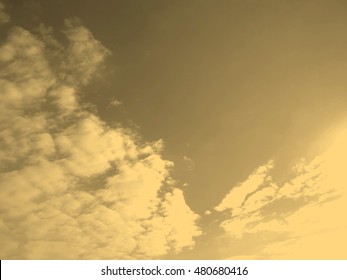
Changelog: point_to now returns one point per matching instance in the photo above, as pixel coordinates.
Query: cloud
(168, 228)
(4, 17)
(207, 212)
(72, 186)
(297, 219)
(115, 103)
(84, 54)
(189, 162)
(235, 199)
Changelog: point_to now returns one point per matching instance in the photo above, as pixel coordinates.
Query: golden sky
(173, 129)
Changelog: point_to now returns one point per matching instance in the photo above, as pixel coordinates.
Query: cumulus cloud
(298, 219)
(72, 186)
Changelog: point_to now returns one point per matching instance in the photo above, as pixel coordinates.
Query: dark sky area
(229, 84)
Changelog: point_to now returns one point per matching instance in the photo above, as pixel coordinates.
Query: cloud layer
(72, 187)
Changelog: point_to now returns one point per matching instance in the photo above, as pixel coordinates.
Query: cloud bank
(71, 186)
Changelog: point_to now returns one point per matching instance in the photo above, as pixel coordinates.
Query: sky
(173, 129)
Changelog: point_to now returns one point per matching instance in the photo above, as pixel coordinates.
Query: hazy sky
(202, 129)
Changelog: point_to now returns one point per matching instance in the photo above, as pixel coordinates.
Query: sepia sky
(162, 129)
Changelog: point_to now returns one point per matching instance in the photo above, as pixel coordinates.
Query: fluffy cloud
(72, 187)
(298, 219)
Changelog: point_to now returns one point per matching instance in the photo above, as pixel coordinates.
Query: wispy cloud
(300, 218)
(114, 103)
(4, 17)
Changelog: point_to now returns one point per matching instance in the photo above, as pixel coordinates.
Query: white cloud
(72, 187)
(115, 103)
(64, 98)
(238, 195)
(182, 231)
(167, 230)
